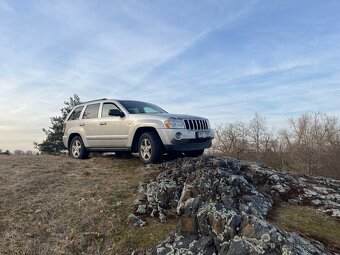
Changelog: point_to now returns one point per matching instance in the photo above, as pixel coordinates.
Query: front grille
(196, 124)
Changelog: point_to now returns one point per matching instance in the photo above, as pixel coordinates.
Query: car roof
(98, 100)
(106, 99)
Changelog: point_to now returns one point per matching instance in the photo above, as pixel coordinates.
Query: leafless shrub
(313, 139)
(232, 139)
(311, 143)
(18, 152)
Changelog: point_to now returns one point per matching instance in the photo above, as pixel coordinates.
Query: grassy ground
(308, 222)
(56, 205)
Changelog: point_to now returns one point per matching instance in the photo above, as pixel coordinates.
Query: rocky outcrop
(223, 204)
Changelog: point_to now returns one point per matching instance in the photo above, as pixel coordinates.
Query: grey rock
(141, 209)
(238, 247)
(222, 204)
(218, 221)
(162, 217)
(257, 204)
(203, 245)
(136, 221)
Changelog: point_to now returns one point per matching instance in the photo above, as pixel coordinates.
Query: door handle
(83, 124)
(102, 123)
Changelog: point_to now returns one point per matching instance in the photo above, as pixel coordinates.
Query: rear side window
(91, 111)
(106, 108)
(76, 113)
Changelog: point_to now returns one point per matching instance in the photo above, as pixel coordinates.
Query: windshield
(136, 107)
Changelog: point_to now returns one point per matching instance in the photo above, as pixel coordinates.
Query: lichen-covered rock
(222, 206)
(163, 193)
(141, 209)
(218, 221)
(136, 221)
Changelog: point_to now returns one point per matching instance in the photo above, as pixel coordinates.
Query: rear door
(73, 122)
(113, 130)
(91, 123)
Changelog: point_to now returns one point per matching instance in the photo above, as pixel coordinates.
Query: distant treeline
(17, 152)
(310, 144)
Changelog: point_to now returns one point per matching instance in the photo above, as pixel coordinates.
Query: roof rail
(94, 100)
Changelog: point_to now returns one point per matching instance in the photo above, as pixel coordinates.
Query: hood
(171, 115)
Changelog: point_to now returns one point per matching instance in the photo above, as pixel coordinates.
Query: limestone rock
(136, 221)
(222, 204)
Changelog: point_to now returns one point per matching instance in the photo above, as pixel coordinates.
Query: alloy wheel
(76, 148)
(145, 149)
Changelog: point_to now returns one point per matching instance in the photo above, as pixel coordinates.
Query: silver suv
(126, 127)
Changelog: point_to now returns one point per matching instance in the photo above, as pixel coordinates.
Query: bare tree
(310, 139)
(18, 152)
(310, 144)
(260, 136)
(6, 152)
(232, 139)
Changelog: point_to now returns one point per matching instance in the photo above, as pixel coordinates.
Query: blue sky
(224, 60)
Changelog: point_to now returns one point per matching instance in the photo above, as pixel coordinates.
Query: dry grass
(308, 222)
(57, 205)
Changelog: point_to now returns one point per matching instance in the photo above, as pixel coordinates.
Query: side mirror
(116, 112)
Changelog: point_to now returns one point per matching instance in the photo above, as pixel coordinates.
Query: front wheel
(194, 153)
(150, 148)
(77, 148)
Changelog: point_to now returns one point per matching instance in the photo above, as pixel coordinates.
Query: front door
(112, 130)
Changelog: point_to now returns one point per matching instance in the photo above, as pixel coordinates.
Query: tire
(123, 154)
(150, 148)
(77, 148)
(194, 153)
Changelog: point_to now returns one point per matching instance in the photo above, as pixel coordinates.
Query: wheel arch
(71, 136)
(137, 135)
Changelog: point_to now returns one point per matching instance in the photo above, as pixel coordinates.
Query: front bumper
(189, 146)
(188, 142)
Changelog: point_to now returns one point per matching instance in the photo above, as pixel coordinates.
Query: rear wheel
(77, 148)
(194, 153)
(150, 148)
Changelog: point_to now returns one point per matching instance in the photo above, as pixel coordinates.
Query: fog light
(178, 136)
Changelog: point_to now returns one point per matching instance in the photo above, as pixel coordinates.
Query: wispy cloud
(224, 60)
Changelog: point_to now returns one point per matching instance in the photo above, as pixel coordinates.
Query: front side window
(91, 111)
(135, 107)
(106, 108)
(76, 113)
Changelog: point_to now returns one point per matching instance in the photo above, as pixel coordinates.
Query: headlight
(174, 123)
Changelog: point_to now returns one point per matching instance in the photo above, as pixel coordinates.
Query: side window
(91, 111)
(134, 110)
(76, 113)
(106, 108)
(148, 109)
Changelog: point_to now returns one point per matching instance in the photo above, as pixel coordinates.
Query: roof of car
(106, 99)
(101, 99)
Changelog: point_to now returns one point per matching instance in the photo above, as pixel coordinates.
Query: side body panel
(112, 132)
(135, 123)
